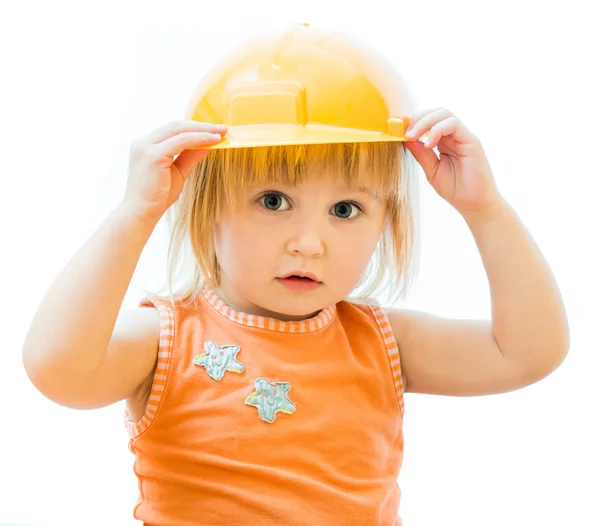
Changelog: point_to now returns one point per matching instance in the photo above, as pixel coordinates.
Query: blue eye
(344, 210)
(275, 202)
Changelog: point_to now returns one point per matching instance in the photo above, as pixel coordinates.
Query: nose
(307, 241)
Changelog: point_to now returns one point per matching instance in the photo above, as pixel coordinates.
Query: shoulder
(138, 337)
(142, 331)
(369, 311)
(135, 341)
(370, 314)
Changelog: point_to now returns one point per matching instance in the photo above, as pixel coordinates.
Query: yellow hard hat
(303, 86)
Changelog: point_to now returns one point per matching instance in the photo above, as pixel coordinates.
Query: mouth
(299, 281)
(298, 274)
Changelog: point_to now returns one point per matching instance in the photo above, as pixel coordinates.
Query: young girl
(270, 388)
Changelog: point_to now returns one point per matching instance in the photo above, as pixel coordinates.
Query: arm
(528, 315)
(528, 336)
(67, 342)
(76, 351)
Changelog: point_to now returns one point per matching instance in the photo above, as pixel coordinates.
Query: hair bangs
(375, 166)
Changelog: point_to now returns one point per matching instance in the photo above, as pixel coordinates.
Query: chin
(296, 304)
(305, 311)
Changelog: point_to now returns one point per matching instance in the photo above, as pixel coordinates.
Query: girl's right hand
(155, 177)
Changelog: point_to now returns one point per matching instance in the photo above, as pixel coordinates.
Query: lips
(300, 274)
(299, 281)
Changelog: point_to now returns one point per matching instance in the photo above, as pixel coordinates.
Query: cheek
(237, 244)
(229, 241)
(357, 251)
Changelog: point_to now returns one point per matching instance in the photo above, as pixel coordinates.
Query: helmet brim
(261, 135)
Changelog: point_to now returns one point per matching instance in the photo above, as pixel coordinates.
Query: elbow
(555, 358)
(558, 350)
(547, 361)
(39, 375)
(552, 351)
(560, 344)
(55, 382)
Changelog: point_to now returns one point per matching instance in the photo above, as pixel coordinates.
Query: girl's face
(321, 227)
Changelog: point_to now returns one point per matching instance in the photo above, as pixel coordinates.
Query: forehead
(330, 181)
(362, 178)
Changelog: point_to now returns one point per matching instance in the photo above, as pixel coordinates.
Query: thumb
(188, 159)
(426, 157)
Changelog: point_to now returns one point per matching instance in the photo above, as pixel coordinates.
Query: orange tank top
(252, 420)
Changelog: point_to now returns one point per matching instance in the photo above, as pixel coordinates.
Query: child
(270, 388)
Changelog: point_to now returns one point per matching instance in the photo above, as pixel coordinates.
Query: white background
(80, 81)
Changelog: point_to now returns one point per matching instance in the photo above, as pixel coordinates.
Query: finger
(186, 141)
(177, 127)
(426, 157)
(188, 159)
(418, 115)
(452, 126)
(426, 122)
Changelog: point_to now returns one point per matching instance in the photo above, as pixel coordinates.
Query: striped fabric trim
(250, 320)
(167, 333)
(392, 349)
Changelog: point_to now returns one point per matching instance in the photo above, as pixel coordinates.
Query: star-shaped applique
(270, 398)
(218, 359)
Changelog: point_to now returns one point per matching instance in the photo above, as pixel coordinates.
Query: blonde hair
(221, 177)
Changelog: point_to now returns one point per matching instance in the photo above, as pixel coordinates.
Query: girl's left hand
(461, 174)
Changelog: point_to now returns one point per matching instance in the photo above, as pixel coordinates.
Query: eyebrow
(365, 190)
